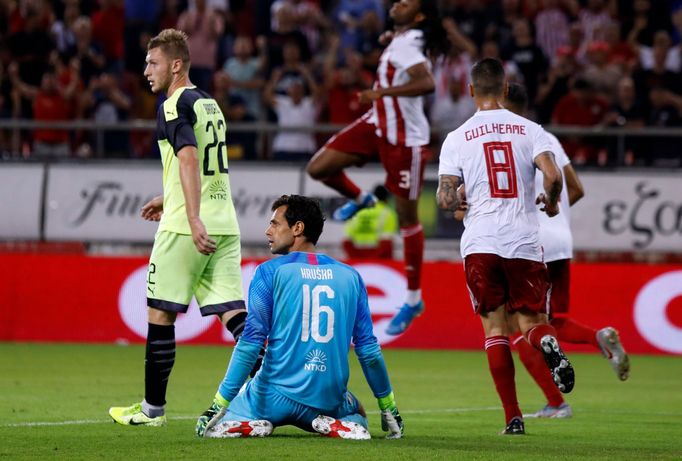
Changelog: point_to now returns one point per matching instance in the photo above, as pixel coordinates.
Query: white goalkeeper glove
(391, 421)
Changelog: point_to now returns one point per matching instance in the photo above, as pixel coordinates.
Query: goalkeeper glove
(391, 420)
(212, 415)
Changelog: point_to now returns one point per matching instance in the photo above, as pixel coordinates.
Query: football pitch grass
(54, 401)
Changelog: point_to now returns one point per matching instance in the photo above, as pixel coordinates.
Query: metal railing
(617, 134)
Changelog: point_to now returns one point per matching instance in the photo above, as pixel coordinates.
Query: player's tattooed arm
(447, 196)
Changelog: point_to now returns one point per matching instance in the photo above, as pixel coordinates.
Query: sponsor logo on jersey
(218, 190)
(315, 361)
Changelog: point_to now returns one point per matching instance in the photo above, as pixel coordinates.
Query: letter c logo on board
(650, 315)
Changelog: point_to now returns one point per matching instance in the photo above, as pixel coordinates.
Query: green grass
(446, 398)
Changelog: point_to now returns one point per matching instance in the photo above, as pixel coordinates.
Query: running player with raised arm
(309, 307)
(494, 155)
(196, 249)
(395, 129)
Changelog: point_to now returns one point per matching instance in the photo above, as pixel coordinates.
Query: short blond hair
(173, 43)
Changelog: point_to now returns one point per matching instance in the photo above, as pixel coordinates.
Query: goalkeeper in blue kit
(308, 307)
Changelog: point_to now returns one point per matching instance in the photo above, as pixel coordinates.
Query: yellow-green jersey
(191, 117)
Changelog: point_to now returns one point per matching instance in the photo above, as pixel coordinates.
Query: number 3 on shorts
(404, 179)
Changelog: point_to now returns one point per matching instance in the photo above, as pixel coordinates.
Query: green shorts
(177, 271)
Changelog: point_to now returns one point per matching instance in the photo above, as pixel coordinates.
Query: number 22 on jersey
(311, 317)
(499, 160)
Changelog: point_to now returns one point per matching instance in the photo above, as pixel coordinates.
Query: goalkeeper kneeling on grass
(308, 307)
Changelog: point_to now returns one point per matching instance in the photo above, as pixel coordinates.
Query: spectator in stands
(62, 30)
(528, 56)
(370, 233)
(350, 16)
(303, 15)
(594, 18)
(557, 83)
(644, 23)
(665, 110)
(244, 72)
(657, 75)
(450, 104)
(627, 112)
(370, 48)
(30, 47)
(293, 109)
(204, 28)
(577, 43)
(343, 83)
(169, 14)
(49, 105)
(472, 18)
(240, 144)
(292, 68)
(551, 27)
(106, 103)
(490, 49)
(581, 107)
(621, 52)
(107, 28)
(602, 76)
(91, 59)
(663, 43)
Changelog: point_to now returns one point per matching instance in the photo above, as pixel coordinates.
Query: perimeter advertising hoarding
(77, 298)
(632, 211)
(21, 189)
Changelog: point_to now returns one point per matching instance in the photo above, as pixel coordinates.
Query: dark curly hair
(435, 38)
(304, 209)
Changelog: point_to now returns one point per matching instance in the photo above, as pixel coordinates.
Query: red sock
(574, 332)
(534, 362)
(536, 333)
(413, 250)
(501, 367)
(343, 185)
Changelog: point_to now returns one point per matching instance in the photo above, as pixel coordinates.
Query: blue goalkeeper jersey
(309, 307)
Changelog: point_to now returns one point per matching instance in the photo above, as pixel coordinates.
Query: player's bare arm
(421, 82)
(447, 196)
(553, 183)
(191, 189)
(573, 185)
(153, 209)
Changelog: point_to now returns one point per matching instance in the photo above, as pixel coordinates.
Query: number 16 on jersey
(310, 325)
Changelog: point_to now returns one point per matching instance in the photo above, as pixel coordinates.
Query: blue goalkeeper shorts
(261, 402)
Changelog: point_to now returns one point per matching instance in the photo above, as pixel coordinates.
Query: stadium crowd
(590, 63)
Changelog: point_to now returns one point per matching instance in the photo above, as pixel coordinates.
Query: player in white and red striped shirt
(395, 129)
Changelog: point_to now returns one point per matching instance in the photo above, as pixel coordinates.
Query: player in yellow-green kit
(196, 248)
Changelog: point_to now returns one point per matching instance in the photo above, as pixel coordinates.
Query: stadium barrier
(629, 211)
(618, 141)
(76, 298)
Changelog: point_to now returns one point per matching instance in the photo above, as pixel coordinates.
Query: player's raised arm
(552, 182)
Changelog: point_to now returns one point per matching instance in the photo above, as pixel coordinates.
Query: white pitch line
(80, 422)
